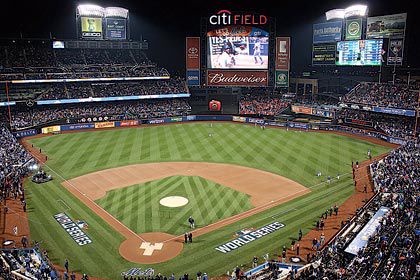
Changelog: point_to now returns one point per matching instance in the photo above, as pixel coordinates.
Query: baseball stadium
(251, 149)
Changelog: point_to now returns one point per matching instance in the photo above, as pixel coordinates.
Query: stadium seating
(13, 157)
(392, 125)
(262, 105)
(118, 111)
(383, 94)
(391, 253)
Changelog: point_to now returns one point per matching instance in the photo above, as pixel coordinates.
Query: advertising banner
(238, 119)
(324, 54)
(51, 129)
(77, 126)
(25, 133)
(302, 110)
(394, 111)
(362, 238)
(395, 51)
(358, 122)
(116, 29)
(282, 53)
(282, 78)
(192, 53)
(104, 124)
(156, 121)
(175, 119)
(298, 125)
(129, 123)
(323, 113)
(193, 78)
(91, 27)
(237, 78)
(327, 32)
(354, 29)
(390, 26)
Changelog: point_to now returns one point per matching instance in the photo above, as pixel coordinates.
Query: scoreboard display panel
(238, 52)
(359, 53)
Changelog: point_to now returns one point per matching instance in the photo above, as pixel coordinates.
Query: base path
(265, 189)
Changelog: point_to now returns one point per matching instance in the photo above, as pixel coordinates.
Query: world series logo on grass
(249, 237)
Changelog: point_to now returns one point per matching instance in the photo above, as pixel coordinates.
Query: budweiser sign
(237, 78)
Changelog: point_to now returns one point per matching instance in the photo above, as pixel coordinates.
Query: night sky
(165, 24)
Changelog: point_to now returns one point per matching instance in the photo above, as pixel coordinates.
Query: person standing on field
(192, 222)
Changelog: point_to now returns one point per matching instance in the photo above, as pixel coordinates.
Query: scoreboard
(359, 53)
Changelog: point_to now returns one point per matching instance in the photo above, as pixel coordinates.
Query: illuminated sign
(225, 17)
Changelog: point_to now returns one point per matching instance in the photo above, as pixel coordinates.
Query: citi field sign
(226, 17)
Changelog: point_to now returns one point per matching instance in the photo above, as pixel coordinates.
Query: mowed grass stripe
(271, 150)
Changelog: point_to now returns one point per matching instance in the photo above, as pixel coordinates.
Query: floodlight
(116, 12)
(334, 14)
(352, 11)
(356, 10)
(90, 10)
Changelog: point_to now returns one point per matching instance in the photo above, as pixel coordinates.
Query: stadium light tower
(351, 11)
(90, 10)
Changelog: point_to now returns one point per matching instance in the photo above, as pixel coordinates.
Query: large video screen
(359, 53)
(91, 27)
(238, 52)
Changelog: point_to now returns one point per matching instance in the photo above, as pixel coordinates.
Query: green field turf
(294, 154)
(139, 209)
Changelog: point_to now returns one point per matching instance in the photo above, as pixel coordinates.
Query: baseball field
(234, 177)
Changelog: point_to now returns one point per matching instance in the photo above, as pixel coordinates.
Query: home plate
(149, 248)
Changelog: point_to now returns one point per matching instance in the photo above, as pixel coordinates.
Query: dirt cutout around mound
(265, 189)
(133, 240)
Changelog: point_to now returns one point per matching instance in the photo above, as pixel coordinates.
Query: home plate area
(151, 247)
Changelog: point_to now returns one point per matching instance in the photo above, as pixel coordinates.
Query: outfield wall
(256, 121)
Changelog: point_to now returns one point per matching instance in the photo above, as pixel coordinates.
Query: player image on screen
(257, 52)
(238, 52)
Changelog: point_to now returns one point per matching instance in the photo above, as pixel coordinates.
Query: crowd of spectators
(383, 94)
(392, 252)
(13, 157)
(115, 111)
(37, 60)
(27, 263)
(264, 105)
(78, 90)
(392, 125)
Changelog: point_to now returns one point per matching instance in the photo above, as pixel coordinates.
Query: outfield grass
(138, 206)
(293, 154)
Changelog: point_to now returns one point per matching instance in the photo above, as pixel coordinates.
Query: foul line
(94, 203)
(283, 212)
(240, 216)
(68, 207)
(259, 209)
(218, 224)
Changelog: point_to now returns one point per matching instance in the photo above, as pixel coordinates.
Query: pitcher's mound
(155, 248)
(173, 201)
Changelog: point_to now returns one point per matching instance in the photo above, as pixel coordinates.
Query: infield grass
(138, 206)
(293, 154)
